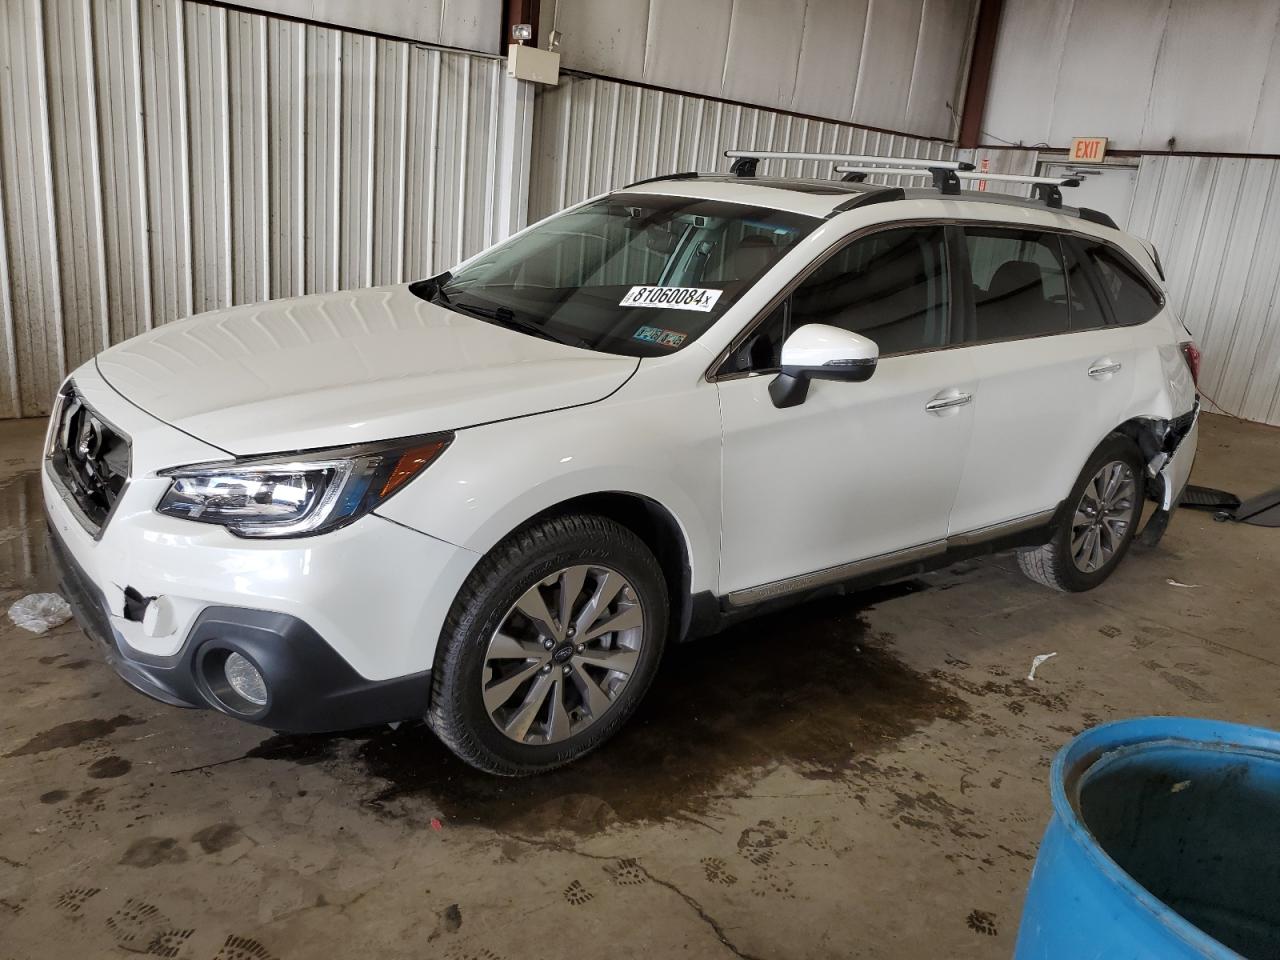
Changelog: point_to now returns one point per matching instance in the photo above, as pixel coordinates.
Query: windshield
(634, 274)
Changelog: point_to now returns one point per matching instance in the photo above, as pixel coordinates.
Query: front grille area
(90, 458)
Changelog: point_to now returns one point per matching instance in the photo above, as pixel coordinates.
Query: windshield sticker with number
(663, 338)
(672, 298)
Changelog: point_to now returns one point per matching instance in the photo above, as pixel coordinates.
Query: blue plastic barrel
(1164, 843)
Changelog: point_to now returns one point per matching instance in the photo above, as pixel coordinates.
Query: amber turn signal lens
(410, 462)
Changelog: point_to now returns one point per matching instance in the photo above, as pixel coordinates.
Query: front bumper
(310, 688)
(343, 626)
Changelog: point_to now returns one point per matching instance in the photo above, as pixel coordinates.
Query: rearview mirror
(817, 351)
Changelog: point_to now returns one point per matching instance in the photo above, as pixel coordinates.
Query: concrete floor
(863, 777)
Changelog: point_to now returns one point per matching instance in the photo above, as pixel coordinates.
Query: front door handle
(941, 404)
(1104, 368)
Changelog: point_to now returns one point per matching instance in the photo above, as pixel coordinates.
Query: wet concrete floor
(858, 777)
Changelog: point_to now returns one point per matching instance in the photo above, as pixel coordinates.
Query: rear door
(1055, 373)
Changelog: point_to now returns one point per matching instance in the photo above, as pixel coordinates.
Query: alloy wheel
(1102, 516)
(563, 654)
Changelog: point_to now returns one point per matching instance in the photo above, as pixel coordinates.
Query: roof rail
(1098, 217)
(1042, 188)
(745, 161)
(883, 195)
(684, 175)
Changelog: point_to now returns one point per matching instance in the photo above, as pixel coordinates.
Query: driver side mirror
(817, 351)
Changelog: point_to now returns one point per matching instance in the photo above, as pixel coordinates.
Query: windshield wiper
(505, 316)
(432, 290)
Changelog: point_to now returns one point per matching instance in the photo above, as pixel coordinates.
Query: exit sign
(1088, 150)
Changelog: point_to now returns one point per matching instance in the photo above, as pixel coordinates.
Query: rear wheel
(1093, 538)
(549, 646)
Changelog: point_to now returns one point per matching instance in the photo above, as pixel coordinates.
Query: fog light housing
(245, 679)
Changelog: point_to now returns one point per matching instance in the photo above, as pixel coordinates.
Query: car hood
(348, 367)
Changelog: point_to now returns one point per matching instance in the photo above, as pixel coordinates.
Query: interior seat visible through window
(891, 286)
(1019, 284)
(750, 258)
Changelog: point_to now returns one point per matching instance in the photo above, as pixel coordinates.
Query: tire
(474, 667)
(1056, 564)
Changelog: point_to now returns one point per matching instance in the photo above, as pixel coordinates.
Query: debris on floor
(40, 612)
(1178, 583)
(1035, 663)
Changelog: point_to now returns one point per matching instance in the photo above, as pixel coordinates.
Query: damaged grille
(90, 459)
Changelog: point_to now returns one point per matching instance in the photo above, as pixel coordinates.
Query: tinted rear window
(1083, 294)
(1132, 297)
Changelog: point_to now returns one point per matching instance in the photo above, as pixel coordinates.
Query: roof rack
(1042, 188)
(746, 161)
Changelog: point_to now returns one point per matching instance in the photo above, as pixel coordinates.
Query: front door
(859, 470)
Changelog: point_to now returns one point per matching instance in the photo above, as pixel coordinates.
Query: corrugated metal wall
(1216, 223)
(892, 64)
(163, 157)
(1206, 74)
(592, 135)
(160, 158)
(469, 24)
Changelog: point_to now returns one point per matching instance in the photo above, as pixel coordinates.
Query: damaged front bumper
(309, 687)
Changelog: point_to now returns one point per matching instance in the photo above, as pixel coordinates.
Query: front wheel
(549, 646)
(1106, 507)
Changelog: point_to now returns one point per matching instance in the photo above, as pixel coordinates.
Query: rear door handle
(1104, 368)
(939, 405)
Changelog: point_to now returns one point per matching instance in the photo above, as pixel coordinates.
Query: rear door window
(1019, 284)
(1131, 295)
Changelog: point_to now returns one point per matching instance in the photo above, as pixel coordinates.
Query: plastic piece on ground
(40, 612)
(1035, 663)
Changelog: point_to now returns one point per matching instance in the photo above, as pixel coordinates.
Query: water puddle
(806, 688)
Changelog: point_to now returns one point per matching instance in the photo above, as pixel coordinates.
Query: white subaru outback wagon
(490, 498)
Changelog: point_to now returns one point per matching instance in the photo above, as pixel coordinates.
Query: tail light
(1191, 353)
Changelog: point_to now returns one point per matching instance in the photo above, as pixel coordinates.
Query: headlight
(297, 495)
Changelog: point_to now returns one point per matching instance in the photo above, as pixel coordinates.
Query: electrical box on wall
(530, 63)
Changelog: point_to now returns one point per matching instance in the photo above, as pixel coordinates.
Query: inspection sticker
(671, 298)
(663, 338)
